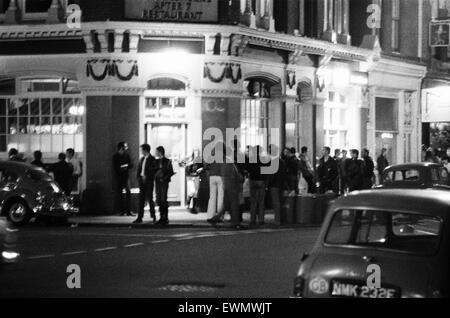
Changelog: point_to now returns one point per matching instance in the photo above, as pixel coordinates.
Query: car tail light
(299, 286)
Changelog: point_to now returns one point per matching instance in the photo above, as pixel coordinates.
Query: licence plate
(358, 290)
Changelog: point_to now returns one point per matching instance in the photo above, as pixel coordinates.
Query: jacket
(164, 170)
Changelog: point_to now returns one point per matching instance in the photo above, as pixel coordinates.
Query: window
(402, 175)
(7, 177)
(7, 86)
(335, 115)
(395, 25)
(405, 232)
(165, 108)
(4, 4)
(47, 124)
(254, 123)
(440, 176)
(37, 6)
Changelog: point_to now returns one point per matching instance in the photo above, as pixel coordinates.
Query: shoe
(193, 211)
(138, 221)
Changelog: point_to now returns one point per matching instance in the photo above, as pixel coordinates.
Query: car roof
(419, 165)
(417, 201)
(15, 165)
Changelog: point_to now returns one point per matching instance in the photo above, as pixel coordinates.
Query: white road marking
(187, 238)
(40, 257)
(74, 253)
(133, 245)
(160, 242)
(111, 248)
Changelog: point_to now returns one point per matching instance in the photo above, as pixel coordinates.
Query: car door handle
(369, 259)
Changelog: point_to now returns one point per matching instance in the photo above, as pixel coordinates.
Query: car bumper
(56, 211)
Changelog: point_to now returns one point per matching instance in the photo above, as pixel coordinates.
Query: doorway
(173, 138)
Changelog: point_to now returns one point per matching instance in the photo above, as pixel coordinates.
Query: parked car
(27, 191)
(402, 232)
(416, 176)
(8, 238)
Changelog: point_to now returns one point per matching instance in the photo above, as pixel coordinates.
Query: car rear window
(418, 234)
(440, 176)
(402, 175)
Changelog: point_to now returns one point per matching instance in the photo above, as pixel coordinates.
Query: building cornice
(291, 43)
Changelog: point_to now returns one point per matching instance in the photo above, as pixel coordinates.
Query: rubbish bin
(305, 209)
(322, 203)
(287, 215)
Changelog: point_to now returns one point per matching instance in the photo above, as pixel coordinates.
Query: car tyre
(18, 212)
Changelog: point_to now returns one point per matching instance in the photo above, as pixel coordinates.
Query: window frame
(354, 246)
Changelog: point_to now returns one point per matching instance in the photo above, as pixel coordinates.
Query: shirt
(76, 166)
(143, 166)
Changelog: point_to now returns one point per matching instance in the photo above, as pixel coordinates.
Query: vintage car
(27, 191)
(416, 176)
(400, 236)
(8, 238)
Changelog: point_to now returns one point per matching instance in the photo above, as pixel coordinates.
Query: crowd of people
(66, 171)
(233, 181)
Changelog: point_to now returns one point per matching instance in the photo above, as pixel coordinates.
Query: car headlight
(9, 257)
(55, 187)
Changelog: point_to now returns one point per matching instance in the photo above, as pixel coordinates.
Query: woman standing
(194, 168)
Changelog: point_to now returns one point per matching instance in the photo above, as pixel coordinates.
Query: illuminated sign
(173, 11)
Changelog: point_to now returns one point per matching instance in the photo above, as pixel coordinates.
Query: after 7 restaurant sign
(172, 11)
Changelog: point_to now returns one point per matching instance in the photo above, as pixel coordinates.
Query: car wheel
(19, 213)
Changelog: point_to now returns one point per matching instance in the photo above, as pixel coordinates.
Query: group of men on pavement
(66, 171)
(152, 174)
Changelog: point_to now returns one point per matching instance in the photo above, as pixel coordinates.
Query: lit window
(254, 123)
(47, 124)
(335, 114)
(165, 107)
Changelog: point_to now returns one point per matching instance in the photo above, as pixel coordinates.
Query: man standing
(369, 168)
(257, 187)
(307, 170)
(327, 171)
(293, 169)
(122, 165)
(277, 182)
(354, 171)
(163, 176)
(341, 167)
(382, 163)
(77, 168)
(146, 177)
(38, 160)
(62, 172)
(337, 182)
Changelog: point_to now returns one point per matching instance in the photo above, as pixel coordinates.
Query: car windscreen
(38, 175)
(418, 234)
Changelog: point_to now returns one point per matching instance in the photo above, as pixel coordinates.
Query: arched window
(166, 83)
(255, 112)
(166, 100)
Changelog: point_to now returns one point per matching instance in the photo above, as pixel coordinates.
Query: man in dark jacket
(146, 177)
(307, 170)
(122, 165)
(38, 160)
(163, 176)
(369, 168)
(382, 163)
(327, 171)
(62, 172)
(277, 182)
(292, 169)
(354, 171)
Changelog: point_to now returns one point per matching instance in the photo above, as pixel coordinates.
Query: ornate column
(118, 40)
(54, 13)
(301, 17)
(12, 15)
(329, 33)
(248, 17)
(344, 36)
(267, 21)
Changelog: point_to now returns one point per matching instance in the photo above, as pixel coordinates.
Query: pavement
(179, 217)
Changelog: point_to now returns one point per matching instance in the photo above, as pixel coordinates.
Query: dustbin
(305, 209)
(322, 202)
(287, 214)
